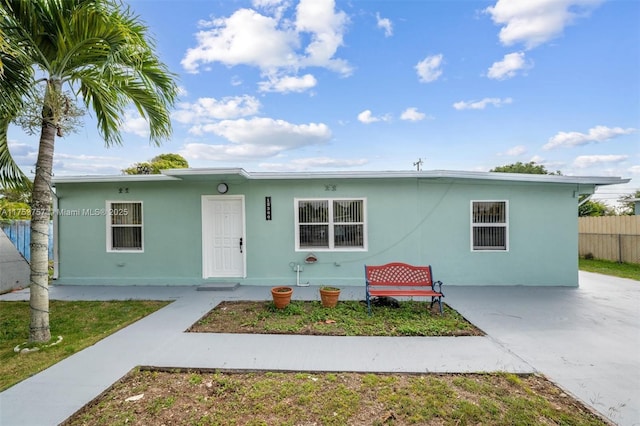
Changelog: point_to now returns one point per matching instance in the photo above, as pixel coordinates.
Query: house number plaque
(267, 208)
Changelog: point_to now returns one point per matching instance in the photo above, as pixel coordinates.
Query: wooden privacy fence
(614, 238)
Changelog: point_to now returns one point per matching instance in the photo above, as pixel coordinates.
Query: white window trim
(484, 225)
(365, 236)
(108, 210)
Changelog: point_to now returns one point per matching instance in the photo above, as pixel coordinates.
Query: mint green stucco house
(199, 226)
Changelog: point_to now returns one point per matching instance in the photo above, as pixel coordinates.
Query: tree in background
(100, 52)
(628, 206)
(15, 195)
(588, 208)
(14, 204)
(529, 168)
(594, 208)
(157, 163)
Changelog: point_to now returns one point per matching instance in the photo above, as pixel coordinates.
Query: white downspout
(55, 235)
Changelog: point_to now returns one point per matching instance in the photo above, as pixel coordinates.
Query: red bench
(401, 279)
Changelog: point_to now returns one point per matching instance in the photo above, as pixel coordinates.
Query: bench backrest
(398, 274)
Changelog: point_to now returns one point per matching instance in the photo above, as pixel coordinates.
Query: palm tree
(95, 51)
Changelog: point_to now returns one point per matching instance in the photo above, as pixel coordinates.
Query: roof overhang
(241, 174)
(112, 178)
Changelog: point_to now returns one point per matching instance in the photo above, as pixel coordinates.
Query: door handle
(240, 244)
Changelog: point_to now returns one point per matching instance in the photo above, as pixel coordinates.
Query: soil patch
(147, 397)
(348, 318)
(212, 397)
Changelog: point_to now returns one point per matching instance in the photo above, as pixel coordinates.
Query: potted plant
(281, 296)
(329, 296)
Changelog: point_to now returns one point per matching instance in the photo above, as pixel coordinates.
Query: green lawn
(607, 267)
(80, 324)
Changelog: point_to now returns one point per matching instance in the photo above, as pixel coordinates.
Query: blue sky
(312, 85)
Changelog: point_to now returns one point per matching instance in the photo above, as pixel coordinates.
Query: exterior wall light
(223, 188)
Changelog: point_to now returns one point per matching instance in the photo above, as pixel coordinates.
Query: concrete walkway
(586, 340)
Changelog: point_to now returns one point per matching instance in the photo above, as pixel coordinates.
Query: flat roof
(200, 173)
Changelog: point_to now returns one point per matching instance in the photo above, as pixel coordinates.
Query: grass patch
(259, 398)
(81, 324)
(607, 267)
(348, 318)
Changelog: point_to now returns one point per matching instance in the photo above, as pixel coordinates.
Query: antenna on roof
(418, 164)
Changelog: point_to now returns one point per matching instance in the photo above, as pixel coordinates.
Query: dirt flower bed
(153, 397)
(348, 318)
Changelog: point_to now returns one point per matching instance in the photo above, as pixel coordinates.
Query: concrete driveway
(586, 340)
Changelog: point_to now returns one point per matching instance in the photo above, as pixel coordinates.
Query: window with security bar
(124, 223)
(489, 226)
(330, 224)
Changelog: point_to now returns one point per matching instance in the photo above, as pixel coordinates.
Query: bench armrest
(439, 289)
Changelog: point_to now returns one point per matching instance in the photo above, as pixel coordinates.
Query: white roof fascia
(446, 174)
(112, 178)
(176, 174)
(206, 172)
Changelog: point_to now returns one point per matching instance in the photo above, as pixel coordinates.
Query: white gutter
(207, 172)
(55, 236)
(176, 174)
(112, 178)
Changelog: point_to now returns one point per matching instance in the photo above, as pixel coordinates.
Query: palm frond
(103, 51)
(132, 72)
(11, 177)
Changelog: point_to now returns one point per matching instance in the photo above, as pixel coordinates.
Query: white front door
(223, 240)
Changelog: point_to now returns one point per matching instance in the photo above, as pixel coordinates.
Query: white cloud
(367, 117)
(24, 155)
(266, 3)
(385, 24)
(134, 123)
(327, 28)
(429, 68)
(182, 91)
(227, 152)
(288, 84)
(508, 67)
(267, 131)
(246, 37)
(496, 102)
(634, 170)
(274, 43)
(274, 7)
(515, 151)
(412, 114)
(255, 139)
(585, 161)
(313, 163)
(208, 109)
(236, 80)
(18, 149)
(70, 164)
(536, 22)
(595, 134)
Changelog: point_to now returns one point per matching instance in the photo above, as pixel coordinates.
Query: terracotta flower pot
(329, 296)
(281, 296)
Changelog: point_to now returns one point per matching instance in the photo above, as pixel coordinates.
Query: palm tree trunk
(40, 215)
